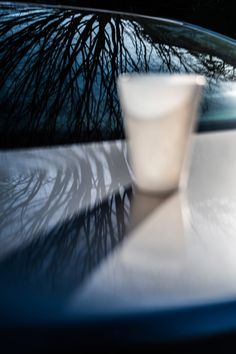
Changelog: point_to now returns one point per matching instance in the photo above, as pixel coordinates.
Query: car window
(59, 68)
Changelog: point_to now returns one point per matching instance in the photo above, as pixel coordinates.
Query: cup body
(159, 115)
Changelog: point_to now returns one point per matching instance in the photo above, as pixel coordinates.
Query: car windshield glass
(59, 68)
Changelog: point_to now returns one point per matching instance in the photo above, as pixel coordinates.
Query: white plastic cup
(159, 112)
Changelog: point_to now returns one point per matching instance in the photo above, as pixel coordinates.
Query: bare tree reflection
(61, 258)
(62, 211)
(59, 70)
(41, 188)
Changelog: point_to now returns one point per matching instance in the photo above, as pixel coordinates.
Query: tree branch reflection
(59, 69)
(62, 211)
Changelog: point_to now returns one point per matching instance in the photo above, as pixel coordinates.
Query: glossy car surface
(80, 249)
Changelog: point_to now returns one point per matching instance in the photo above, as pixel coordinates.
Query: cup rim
(167, 79)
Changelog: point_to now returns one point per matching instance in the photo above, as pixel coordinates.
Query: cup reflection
(159, 225)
